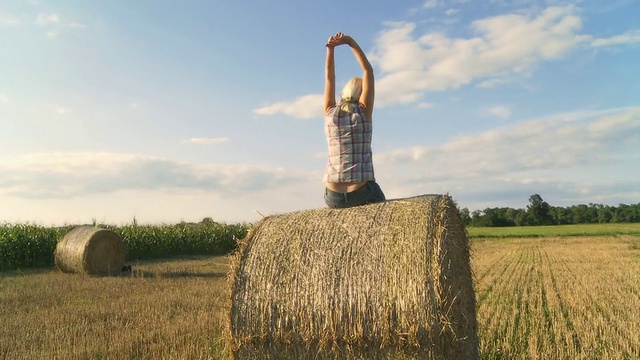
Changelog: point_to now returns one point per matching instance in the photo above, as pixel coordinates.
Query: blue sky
(169, 111)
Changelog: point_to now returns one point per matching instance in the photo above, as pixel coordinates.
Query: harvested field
(170, 309)
(558, 298)
(542, 298)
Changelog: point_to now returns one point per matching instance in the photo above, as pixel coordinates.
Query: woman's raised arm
(330, 77)
(368, 88)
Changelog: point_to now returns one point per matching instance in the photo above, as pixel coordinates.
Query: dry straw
(90, 250)
(383, 281)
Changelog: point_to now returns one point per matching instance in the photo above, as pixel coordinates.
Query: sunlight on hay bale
(90, 250)
(383, 281)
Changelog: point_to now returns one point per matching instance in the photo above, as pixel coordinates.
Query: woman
(349, 176)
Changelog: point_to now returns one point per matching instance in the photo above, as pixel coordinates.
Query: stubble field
(538, 298)
(559, 298)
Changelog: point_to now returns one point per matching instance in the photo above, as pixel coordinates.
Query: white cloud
(133, 105)
(503, 112)
(206, 141)
(504, 49)
(494, 82)
(77, 26)
(577, 157)
(425, 105)
(631, 37)
(61, 110)
(7, 20)
(556, 143)
(54, 24)
(66, 175)
(4, 99)
(414, 64)
(451, 12)
(304, 107)
(431, 4)
(47, 19)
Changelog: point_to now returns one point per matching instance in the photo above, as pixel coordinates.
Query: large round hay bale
(90, 250)
(390, 280)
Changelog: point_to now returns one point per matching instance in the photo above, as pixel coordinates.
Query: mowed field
(559, 298)
(538, 298)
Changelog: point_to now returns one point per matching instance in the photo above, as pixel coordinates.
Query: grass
(546, 298)
(555, 230)
(163, 310)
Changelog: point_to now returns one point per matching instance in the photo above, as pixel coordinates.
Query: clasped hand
(339, 39)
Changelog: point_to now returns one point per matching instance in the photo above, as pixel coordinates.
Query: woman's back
(349, 141)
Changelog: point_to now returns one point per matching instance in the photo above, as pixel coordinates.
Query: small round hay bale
(390, 280)
(90, 250)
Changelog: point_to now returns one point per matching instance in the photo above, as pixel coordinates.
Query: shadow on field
(186, 274)
(176, 274)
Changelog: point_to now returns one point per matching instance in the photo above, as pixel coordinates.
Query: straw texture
(90, 250)
(389, 280)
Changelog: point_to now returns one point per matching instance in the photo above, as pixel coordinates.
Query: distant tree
(619, 215)
(583, 214)
(505, 216)
(207, 221)
(465, 216)
(487, 217)
(492, 217)
(481, 218)
(560, 215)
(538, 211)
(522, 218)
(511, 216)
(635, 212)
(604, 214)
(627, 213)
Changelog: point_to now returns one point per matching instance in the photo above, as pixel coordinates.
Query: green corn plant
(26, 245)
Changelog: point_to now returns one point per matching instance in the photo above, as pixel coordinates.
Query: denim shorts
(366, 194)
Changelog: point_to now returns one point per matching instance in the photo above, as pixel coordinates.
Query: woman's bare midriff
(344, 187)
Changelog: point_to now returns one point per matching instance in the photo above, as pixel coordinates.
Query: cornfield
(28, 245)
(25, 245)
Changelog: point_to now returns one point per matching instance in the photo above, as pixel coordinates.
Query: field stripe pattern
(558, 298)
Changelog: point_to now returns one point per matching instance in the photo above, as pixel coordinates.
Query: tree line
(539, 212)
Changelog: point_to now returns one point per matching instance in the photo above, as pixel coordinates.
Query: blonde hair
(350, 95)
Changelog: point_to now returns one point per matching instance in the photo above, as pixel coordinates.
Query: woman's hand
(339, 39)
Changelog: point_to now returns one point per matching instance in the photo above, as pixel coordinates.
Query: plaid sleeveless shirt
(349, 139)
